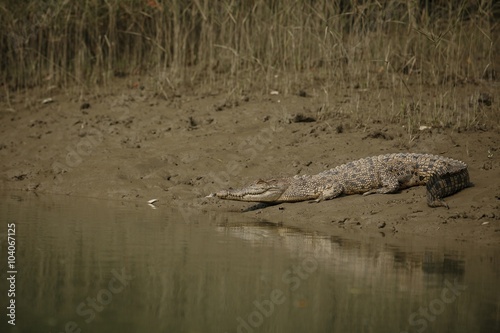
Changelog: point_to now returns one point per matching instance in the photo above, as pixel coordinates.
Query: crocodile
(383, 174)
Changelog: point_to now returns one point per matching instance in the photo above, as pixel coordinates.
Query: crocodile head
(291, 189)
(260, 191)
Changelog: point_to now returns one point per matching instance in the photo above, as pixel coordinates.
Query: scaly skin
(378, 174)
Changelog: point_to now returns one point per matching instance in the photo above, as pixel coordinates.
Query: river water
(83, 265)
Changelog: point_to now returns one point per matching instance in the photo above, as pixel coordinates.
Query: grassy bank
(246, 44)
(233, 47)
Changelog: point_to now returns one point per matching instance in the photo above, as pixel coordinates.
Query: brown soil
(130, 144)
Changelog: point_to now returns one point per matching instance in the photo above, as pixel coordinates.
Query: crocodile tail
(441, 185)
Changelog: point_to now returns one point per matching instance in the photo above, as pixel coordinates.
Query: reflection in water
(112, 267)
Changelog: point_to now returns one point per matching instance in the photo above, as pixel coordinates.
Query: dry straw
(261, 45)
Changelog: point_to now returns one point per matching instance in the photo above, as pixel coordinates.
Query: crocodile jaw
(260, 191)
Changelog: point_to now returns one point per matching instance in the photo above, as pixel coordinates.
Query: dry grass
(258, 45)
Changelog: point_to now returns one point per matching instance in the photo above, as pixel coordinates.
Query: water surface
(99, 266)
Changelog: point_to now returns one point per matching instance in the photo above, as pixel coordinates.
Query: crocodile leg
(390, 184)
(330, 192)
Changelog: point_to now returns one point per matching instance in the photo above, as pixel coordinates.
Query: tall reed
(262, 44)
